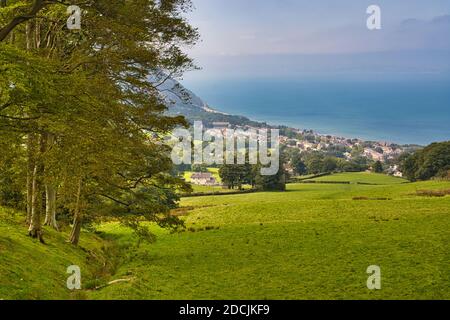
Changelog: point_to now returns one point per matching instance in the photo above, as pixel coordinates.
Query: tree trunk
(28, 35)
(31, 149)
(30, 178)
(50, 193)
(37, 203)
(77, 218)
(37, 29)
(50, 207)
(38, 5)
(35, 229)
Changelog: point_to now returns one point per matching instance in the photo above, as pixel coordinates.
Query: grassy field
(30, 270)
(312, 242)
(361, 177)
(219, 189)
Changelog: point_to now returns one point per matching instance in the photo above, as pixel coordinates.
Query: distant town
(307, 141)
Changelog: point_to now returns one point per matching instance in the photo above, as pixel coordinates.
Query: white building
(203, 179)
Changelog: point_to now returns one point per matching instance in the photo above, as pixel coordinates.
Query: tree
(92, 120)
(314, 162)
(377, 167)
(275, 182)
(329, 164)
(235, 176)
(199, 168)
(297, 163)
(432, 161)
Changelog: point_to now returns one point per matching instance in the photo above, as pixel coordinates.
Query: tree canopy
(430, 162)
(81, 116)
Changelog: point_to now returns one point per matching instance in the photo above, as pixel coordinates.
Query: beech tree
(91, 122)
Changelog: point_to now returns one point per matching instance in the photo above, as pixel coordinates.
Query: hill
(182, 101)
(314, 241)
(30, 270)
(360, 177)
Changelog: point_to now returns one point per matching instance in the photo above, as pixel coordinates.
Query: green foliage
(11, 174)
(361, 177)
(29, 270)
(314, 238)
(271, 183)
(199, 168)
(276, 182)
(90, 120)
(432, 161)
(377, 167)
(329, 164)
(235, 176)
(314, 162)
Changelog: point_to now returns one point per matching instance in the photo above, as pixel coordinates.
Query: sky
(257, 38)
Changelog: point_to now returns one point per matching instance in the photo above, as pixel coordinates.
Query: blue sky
(292, 36)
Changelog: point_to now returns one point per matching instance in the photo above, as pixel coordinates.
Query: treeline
(431, 162)
(236, 176)
(303, 163)
(81, 126)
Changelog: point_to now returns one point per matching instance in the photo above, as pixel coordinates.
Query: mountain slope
(182, 101)
(31, 270)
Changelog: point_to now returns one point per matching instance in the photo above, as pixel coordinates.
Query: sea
(405, 110)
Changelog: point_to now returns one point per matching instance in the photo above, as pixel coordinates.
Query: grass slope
(312, 242)
(361, 177)
(30, 270)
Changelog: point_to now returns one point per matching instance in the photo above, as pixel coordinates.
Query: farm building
(203, 179)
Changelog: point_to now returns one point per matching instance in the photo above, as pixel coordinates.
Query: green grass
(312, 242)
(209, 189)
(362, 177)
(30, 270)
(220, 189)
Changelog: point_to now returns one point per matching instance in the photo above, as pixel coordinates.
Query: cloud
(410, 46)
(409, 34)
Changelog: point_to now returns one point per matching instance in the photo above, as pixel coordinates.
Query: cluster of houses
(308, 140)
(377, 151)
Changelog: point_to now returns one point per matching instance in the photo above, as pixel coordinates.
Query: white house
(203, 179)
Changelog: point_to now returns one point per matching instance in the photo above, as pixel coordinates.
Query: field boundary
(312, 177)
(310, 180)
(216, 193)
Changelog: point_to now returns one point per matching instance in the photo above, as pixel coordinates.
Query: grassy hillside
(30, 270)
(361, 177)
(312, 242)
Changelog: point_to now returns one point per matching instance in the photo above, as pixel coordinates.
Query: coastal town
(307, 141)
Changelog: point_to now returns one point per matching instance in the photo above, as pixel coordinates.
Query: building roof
(201, 175)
